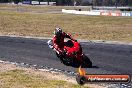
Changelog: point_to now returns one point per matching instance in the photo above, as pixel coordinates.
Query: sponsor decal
(116, 14)
(126, 14)
(110, 13)
(131, 14)
(104, 13)
(83, 78)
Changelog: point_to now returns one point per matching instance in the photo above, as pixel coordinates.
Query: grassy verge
(12, 76)
(80, 26)
(20, 79)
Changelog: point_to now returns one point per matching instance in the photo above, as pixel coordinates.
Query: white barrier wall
(80, 12)
(68, 11)
(35, 2)
(42, 3)
(98, 12)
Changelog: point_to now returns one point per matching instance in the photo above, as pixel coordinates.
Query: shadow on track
(83, 66)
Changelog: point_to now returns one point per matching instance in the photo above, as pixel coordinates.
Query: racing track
(106, 58)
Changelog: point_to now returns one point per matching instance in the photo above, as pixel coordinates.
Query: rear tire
(65, 61)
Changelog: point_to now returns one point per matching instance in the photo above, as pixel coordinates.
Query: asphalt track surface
(106, 58)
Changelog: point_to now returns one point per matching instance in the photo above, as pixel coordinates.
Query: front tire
(64, 60)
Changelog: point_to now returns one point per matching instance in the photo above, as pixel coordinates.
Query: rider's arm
(69, 36)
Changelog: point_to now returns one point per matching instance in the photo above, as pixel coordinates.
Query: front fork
(50, 44)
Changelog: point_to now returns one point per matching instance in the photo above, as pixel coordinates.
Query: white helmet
(58, 31)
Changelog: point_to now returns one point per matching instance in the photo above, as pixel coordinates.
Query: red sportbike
(72, 54)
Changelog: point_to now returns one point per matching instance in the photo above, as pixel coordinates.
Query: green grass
(80, 26)
(20, 79)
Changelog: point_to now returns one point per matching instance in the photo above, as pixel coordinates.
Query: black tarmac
(106, 58)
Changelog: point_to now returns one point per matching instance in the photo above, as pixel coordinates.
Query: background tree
(60, 2)
(16, 1)
(130, 2)
(95, 2)
(78, 2)
(5, 1)
(107, 2)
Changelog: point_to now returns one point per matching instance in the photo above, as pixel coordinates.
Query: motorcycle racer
(70, 51)
(58, 39)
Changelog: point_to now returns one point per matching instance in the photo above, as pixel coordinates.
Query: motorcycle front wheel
(64, 60)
